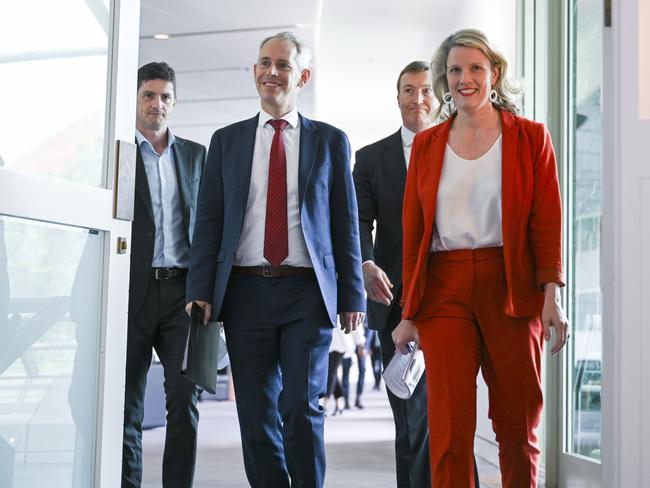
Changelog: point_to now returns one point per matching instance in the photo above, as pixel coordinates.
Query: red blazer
(531, 213)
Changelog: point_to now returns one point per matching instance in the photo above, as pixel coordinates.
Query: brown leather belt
(273, 271)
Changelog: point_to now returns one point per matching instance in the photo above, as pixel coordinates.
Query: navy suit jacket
(328, 214)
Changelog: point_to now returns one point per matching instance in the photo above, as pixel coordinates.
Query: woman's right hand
(404, 333)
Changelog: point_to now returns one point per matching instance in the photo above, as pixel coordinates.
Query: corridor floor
(359, 448)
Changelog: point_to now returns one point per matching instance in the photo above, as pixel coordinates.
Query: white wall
(363, 45)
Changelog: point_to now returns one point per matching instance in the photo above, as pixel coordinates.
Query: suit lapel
(509, 130)
(244, 163)
(394, 163)
(142, 185)
(440, 138)
(308, 149)
(182, 162)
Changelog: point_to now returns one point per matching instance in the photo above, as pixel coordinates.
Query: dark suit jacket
(379, 178)
(189, 159)
(531, 213)
(328, 214)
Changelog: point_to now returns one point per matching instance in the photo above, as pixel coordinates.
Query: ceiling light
(161, 36)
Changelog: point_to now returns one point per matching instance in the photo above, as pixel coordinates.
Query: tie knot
(278, 124)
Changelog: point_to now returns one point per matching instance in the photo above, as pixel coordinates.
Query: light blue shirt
(170, 247)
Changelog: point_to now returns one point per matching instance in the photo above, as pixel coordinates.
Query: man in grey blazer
(168, 175)
(379, 178)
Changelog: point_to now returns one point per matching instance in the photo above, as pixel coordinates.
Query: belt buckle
(266, 271)
(162, 274)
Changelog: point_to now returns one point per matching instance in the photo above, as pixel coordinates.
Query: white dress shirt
(468, 206)
(250, 251)
(407, 143)
(170, 246)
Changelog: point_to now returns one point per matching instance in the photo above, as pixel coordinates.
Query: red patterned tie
(276, 233)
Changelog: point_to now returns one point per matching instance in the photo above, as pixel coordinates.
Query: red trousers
(462, 327)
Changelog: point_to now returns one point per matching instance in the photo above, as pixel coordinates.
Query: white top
(250, 251)
(468, 206)
(407, 143)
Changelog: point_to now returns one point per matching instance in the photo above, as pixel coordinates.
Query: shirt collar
(291, 117)
(407, 136)
(139, 136)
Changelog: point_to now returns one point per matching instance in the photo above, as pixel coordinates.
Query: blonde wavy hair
(506, 88)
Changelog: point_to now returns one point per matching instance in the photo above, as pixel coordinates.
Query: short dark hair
(157, 71)
(412, 67)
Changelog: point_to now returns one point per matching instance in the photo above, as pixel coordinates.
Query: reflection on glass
(50, 286)
(53, 68)
(585, 205)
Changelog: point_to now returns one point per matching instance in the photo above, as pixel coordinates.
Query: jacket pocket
(328, 261)
(324, 168)
(222, 255)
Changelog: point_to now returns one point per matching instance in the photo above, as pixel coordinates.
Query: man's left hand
(351, 320)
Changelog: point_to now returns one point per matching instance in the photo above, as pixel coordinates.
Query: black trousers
(411, 427)
(334, 385)
(161, 323)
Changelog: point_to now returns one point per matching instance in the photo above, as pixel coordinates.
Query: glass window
(50, 296)
(584, 210)
(53, 67)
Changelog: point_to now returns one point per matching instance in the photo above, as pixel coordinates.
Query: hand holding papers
(404, 371)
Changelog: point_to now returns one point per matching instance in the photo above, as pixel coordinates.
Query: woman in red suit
(482, 263)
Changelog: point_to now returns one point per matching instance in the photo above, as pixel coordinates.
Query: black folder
(201, 351)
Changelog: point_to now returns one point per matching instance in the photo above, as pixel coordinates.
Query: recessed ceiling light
(161, 36)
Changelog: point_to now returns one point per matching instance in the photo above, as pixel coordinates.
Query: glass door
(581, 436)
(69, 94)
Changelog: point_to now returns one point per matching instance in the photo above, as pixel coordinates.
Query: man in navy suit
(276, 257)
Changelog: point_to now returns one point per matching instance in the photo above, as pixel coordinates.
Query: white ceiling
(359, 48)
(213, 46)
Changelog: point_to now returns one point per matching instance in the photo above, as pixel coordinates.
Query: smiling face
(278, 77)
(470, 77)
(415, 98)
(156, 101)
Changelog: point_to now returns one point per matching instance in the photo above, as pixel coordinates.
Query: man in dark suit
(276, 257)
(168, 175)
(379, 178)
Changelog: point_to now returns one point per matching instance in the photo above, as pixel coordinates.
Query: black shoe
(358, 404)
(347, 405)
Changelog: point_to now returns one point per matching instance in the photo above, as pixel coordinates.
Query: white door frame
(545, 36)
(626, 256)
(46, 199)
